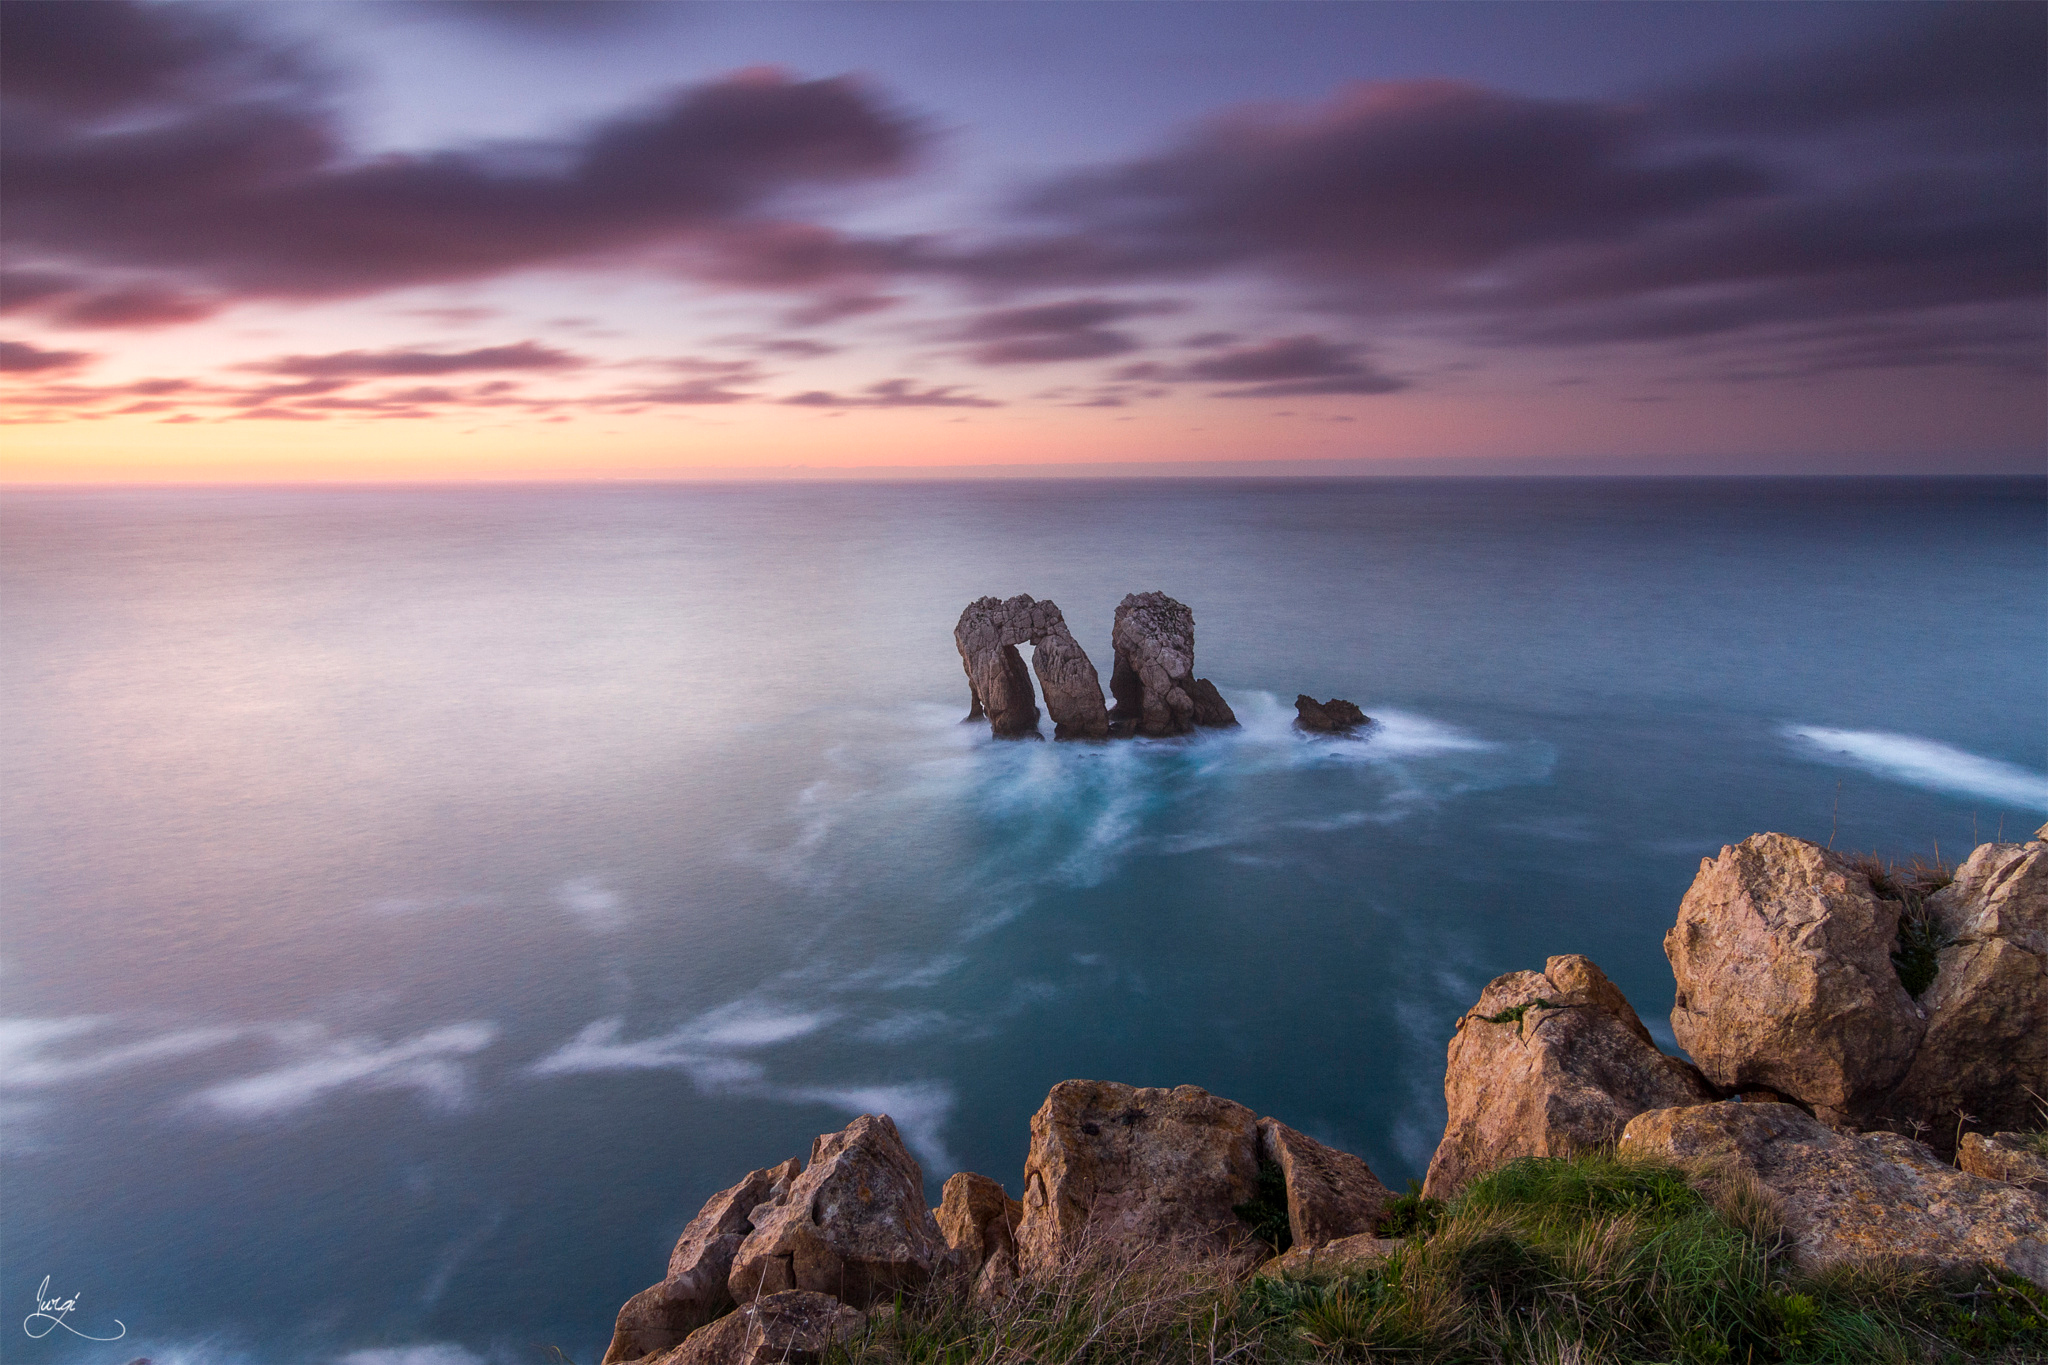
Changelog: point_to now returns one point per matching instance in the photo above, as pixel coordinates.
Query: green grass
(1915, 957)
(1513, 1014)
(1591, 1261)
(1265, 1213)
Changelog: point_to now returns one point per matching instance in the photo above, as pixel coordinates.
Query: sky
(387, 240)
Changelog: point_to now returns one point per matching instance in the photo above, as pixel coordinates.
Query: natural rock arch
(987, 636)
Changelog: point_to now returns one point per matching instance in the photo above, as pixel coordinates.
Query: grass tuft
(1916, 955)
(1265, 1213)
(1587, 1261)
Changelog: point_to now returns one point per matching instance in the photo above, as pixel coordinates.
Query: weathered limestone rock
(2004, 1156)
(1333, 717)
(1153, 681)
(987, 637)
(1986, 1044)
(794, 1327)
(1783, 957)
(1547, 1064)
(694, 1291)
(979, 1222)
(1330, 1194)
(853, 1225)
(1848, 1197)
(1113, 1167)
(1301, 1262)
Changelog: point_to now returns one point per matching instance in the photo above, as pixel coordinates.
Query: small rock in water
(1333, 717)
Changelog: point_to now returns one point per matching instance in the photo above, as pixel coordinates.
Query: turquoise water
(417, 902)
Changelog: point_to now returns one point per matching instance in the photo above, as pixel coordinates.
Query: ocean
(418, 901)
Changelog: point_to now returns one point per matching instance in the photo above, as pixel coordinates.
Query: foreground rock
(1547, 1064)
(694, 1291)
(2007, 1157)
(1782, 953)
(1330, 1194)
(1154, 684)
(1333, 717)
(1846, 1197)
(853, 1225)
(1347, 1255)
(1986, 1044)
(979, 1222)
(794, 1327)
(987, 636)
(1114, 1168)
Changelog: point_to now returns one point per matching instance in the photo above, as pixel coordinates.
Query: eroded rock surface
(794, 1327)
(2006, 1157)
(694, 1291)
(854, 1225)
(1547, 1064)
(979, 1222)
(1346, 1254)
(1986, 1044)
(987, 636)
(1782, 952)
(1330, 1194)
(1118, 1168)
(1333, 717)
(1847, 1197)
(1154, 684)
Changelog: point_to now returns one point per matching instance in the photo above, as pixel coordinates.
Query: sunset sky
(414, 240)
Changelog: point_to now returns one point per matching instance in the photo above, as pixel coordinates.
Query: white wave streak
(1925, 763)
(29, 1060)
(429, 1353)
(429, 1064)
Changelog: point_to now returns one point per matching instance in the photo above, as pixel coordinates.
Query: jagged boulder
(1986, 1045)
(2005, 1156)
(999, 684)
(1154, 684)
(1333, 717)
(1782, 953)
(1546, 1064)
(854, 1225)
(1846, 1197)
(1330, 1194)
(1115, 1168)
(694, 1291)
(979, 1222)
(794, 1327)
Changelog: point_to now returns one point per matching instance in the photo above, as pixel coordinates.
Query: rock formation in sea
(1153, 682)
(999, 685)
(1333, 717)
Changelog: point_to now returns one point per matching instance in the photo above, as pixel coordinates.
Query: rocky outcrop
(1548, 1064)
(854, 1225)
(987, 636)
(1782, 953)
(2009, 1157)
(1154, 684)
(1849, 1197)
(1330, 1194)
(1986, 1044)
(979, 1222)
(794, 1327)
(1347, 1255)
(1117, 1168)
(1333, 717)
(694, 1290)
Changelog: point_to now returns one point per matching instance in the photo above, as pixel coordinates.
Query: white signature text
(51, 1310)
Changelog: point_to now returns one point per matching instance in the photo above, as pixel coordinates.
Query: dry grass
(1591, 1261)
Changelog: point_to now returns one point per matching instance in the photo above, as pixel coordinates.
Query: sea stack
(1156, 691)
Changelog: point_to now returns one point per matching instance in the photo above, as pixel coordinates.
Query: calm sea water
(418, 902)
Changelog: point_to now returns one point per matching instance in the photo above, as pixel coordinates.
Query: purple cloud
(893, 393)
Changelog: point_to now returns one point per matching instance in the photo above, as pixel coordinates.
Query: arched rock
(987, 636)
